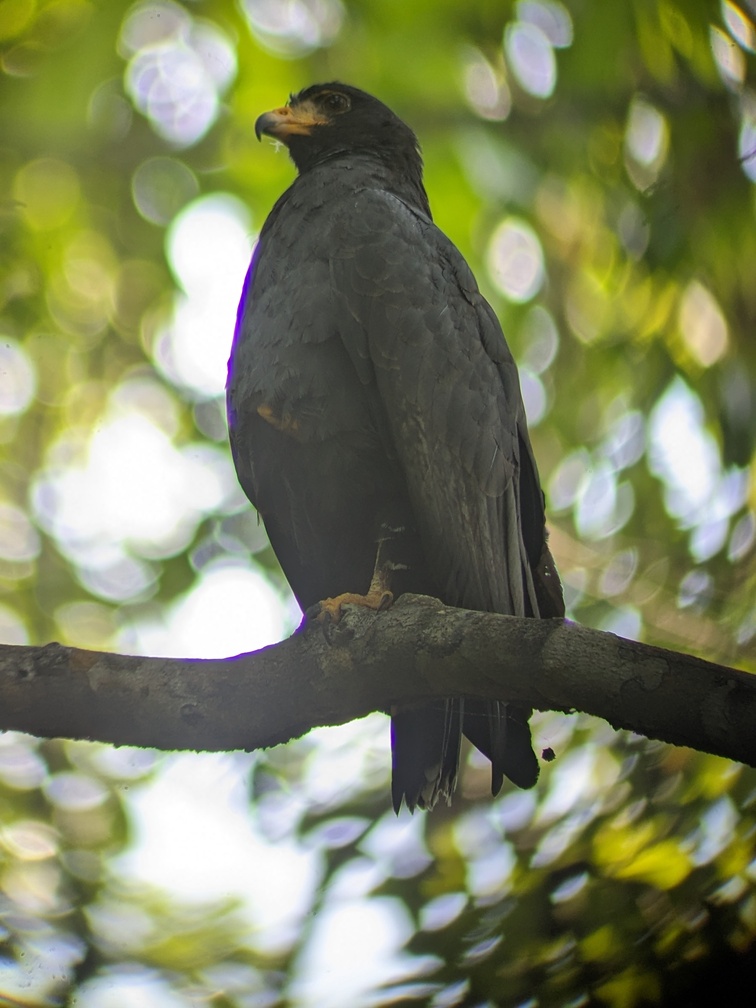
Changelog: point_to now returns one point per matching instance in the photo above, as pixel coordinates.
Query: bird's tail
(502, 733)
(425, 744)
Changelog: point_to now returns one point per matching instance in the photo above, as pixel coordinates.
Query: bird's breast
(289, 363)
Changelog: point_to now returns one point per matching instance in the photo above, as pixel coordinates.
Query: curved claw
(328, 612)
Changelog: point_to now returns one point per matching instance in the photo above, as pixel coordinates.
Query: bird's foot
(328, 612)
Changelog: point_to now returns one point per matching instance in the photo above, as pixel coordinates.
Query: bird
(376, 421)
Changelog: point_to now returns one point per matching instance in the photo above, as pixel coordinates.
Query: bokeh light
(739, 25)
(134, 986)
(19, 540)
(603, 504)
(728, 58)
(356, 948)
(21, 766)
(81, 292)
(529, 42)
(551, 16)
(618, 574)
(567, 478)
(747, 141)
(13, 629)
(178, 69)
(683, 453)
(646, 143)
(625, 441)
(48, 191)
(623, 620)
(743, 537)
(18, 379)
(14, 18)
(531, 57)
(702, 324)
(204, 796)
(515, 260)
(533, 396)
(486, 91)
(90, 495)
(293, 27)
(539, 340)
(230, 609)
(161, 186)
(698, 492)
(209, 248)
(75, 791)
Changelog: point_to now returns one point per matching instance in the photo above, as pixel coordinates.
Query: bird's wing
(414, 323)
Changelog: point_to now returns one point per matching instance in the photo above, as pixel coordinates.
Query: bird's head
(335, 120)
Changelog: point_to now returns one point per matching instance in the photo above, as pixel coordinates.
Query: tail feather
(502, 733)
(425, 745)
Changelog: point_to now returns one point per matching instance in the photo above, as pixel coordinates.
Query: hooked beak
(286, 121)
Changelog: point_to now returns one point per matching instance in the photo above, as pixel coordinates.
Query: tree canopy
(596, 164)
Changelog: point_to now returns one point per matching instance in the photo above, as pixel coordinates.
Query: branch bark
(419, 649)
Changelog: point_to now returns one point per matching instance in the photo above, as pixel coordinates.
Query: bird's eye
(334, 101)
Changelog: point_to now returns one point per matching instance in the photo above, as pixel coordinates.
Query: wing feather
(450, 404)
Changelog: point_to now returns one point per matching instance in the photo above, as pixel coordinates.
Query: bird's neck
(401, 176)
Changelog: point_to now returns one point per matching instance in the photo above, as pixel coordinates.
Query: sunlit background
(609, 215)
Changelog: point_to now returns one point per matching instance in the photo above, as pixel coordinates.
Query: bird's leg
(378, 596)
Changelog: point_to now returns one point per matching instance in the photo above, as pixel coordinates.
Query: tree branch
(419, 649)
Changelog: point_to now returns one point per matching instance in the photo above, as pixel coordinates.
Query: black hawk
(375, 415)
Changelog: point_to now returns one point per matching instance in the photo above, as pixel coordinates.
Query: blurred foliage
(596, 163)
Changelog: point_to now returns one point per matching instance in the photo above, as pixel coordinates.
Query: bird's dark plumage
(375, 413)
